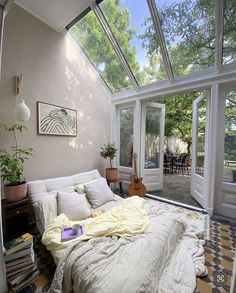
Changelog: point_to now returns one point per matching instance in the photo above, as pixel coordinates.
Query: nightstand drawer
(16, 212)
(17, 218)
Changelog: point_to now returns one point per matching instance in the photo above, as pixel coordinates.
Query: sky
(138, 12)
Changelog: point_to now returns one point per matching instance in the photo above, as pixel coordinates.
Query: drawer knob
(17, 212)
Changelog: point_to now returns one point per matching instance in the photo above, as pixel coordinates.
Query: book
(25, 283)
(19, 254)
(24, 259)
(18, 243)
(18, 266)
(19, 278)
(20, 270)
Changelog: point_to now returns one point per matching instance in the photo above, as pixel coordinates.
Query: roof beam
(101, 18)
(160, 36)
(219, 31)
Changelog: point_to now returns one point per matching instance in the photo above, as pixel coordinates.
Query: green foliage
(230, 127)
(94, 42)
(12, 159)
(178, 118)
(109, 151)
(189, 31)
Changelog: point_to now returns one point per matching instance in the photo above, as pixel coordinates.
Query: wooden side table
(17, 218)
(119, 180)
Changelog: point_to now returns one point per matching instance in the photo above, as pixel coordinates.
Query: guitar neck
(135, 168)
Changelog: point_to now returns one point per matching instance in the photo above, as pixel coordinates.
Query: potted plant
(109, 151)
(11, 166)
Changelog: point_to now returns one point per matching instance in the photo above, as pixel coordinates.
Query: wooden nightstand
(17, 218)
(121, 191)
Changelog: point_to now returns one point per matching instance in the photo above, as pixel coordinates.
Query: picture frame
(56, 120)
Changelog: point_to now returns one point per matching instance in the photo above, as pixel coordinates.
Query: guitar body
(136, 186)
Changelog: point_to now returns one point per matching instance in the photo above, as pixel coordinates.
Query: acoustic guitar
(136, 186)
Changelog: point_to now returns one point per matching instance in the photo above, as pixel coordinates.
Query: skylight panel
(189, 31)
(229, 44)
(91, 38)
(130, 22)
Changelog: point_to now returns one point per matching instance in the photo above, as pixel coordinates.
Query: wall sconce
(22, 111)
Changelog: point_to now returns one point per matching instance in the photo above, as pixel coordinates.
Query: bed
(132, 247)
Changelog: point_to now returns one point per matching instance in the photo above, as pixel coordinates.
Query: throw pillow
(98, 192)
(73, 205)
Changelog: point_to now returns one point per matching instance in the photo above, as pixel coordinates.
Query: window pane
(126, 136)
(201, 129)
(131, 23)
(229, 47)
(188, 27)
(152, 138)
(230, 138)
(90, 36)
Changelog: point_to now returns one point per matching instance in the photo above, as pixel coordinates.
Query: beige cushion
(73, 205)
(47, 209)
(98, 192)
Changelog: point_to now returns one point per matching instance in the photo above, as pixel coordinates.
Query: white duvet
(167, 257)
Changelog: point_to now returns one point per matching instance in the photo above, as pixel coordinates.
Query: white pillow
(47, 207)
(98, 192)
(73, 205)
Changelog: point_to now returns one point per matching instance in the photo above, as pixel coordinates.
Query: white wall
(53, 72)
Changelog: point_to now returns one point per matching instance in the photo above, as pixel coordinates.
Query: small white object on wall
(22, 111)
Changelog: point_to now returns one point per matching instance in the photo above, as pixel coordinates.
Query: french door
(141, 131)
(225, 188)
(200, 130)
(152, 145)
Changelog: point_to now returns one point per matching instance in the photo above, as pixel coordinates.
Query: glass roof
(132, 43)
(130, 22)
(188, 28)
(93, 41)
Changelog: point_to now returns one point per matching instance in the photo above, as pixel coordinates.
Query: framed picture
(56, 120)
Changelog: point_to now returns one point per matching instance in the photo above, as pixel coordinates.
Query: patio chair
(182, 163)
(167, 164)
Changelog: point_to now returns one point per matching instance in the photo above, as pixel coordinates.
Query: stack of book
(21, 268)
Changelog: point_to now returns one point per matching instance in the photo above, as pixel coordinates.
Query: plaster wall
(53, 72)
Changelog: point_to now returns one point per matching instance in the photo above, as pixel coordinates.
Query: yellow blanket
(127, 219)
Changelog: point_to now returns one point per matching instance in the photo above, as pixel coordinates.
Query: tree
(94, 42)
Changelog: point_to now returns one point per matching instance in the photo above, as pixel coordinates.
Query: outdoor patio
(177, 187)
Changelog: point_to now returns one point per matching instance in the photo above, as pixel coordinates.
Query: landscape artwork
(56, 120)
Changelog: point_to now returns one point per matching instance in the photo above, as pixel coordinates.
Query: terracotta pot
(111, 174)
(15, 193)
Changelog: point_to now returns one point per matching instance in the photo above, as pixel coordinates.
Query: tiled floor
(177, 187)
(219, 253)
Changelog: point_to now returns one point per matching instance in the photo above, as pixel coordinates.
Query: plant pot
(15, 193)
(111, 174)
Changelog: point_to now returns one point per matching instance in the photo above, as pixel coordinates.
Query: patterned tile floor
(219, 254)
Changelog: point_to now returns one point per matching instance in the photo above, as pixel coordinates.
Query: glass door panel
(225, 191)
(199, 149)
(152, 138)
(152, 144)
(201, 130)
(126, 136)
(229, 174)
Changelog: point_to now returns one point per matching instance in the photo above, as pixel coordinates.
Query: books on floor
(21, 269)
(18, 243)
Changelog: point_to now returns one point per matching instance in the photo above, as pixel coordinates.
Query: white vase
(22, 112)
